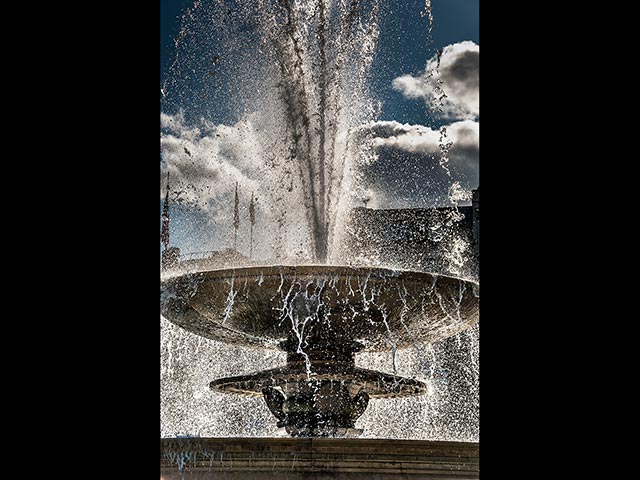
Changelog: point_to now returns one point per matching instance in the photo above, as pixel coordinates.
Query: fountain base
(316, 458)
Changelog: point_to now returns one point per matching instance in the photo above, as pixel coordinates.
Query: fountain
(316, 307)
(321, 316)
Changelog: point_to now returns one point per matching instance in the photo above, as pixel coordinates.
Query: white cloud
(410, 169)
(205, 163)
(457, 77)
(410, 138)
(420, 139)
(426, 165)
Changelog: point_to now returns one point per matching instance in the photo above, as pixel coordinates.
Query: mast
(236, 220)
(252, 220)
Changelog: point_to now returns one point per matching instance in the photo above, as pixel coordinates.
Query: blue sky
(404, 46)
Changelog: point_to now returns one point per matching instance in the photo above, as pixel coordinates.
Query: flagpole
(236, 220)
(252, 220)
(251, 240)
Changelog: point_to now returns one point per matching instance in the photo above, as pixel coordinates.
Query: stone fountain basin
(380, 309)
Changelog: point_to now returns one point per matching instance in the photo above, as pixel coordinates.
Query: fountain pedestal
(320, 392)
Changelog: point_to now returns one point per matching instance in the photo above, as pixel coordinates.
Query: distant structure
(164, 233)
(475, 203)
(444, 240)
(170, 255)
(225, 258)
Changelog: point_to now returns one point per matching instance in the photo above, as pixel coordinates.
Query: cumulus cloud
(463, 135)
(412, 169)
(206, 161)
(420, 166)
(450, 85)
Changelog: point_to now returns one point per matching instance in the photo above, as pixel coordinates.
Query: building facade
(444, 240)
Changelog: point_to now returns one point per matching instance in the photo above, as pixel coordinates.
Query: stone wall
(316, 458)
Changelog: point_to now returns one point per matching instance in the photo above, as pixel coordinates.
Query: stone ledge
(316, 458)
